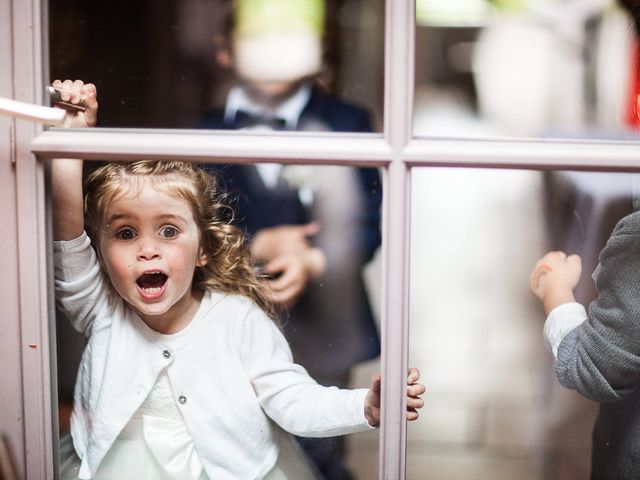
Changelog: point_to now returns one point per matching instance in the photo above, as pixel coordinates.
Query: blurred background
(154, 61)
(483, 67)
(559, 68)
(501, 68)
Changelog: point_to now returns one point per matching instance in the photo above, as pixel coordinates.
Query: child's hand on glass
(414, 402)
(554, 277)
(78, 92)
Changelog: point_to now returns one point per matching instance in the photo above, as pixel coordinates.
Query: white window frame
(396, 151)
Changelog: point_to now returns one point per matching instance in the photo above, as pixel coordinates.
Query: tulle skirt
(130, 458)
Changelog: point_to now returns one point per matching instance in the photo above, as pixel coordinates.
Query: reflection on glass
(495, 407)
(313, 234)
(181, 62)
(525, 68)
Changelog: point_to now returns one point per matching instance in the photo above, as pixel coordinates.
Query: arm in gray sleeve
(600, 358)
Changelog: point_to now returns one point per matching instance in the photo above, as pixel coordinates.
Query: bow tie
(245, 119)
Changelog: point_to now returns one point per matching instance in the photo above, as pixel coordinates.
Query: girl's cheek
(118, 269)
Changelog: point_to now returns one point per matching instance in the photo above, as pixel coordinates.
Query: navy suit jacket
(331, 327)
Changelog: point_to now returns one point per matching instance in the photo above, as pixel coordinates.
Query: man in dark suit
(313, 228)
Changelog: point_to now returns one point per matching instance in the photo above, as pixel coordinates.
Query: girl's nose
(148, 250)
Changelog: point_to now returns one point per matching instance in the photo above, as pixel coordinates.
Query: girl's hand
(66, 174)
(75, 92)
(554, 277)
(414, 402)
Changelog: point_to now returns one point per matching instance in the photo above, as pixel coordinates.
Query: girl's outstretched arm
(414, 402)
(66, 174)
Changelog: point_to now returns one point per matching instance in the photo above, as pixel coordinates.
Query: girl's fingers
(416, 390)
(92, 103)
(376, 382)
(65, 90)
(413, 376)
(78, 86)
(414, 403)
(72, 90)
(90, 93)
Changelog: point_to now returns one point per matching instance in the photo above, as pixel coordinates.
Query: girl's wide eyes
(130, 233)
(168, 232)
(126, 234)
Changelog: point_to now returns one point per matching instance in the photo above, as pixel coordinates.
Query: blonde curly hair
(229, 268)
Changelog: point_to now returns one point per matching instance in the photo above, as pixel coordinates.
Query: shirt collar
(290, 110)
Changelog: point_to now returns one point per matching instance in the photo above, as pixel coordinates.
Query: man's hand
(293, 271)
(270, 243)
(76, 92)
(414, 402)
(554, 277)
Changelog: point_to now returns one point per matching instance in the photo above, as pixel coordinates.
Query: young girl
(183, 371)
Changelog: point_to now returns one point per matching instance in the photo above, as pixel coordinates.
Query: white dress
(155, 444)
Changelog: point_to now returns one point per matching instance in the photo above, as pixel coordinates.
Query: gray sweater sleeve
(601, 357)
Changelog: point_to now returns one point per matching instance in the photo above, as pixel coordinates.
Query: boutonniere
(304, 179)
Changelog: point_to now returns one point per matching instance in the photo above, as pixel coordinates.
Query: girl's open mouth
(151, 285)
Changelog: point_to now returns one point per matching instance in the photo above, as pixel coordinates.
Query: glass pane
(314, 236)
(495, 408)
(526, 68)
(314, 64)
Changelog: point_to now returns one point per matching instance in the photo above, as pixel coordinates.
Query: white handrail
(38, 113)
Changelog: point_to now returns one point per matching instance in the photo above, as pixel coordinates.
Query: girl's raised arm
(66, 174)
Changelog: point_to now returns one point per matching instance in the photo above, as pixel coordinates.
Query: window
(397, 151)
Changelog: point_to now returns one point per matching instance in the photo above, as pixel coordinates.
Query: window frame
(396, 152)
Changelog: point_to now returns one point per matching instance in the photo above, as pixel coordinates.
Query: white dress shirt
(289, 110)
(560, 322)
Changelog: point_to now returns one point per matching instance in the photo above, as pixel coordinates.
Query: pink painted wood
(27, 420)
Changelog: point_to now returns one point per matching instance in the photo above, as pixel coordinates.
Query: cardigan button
(182, 399)
(166, 354)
